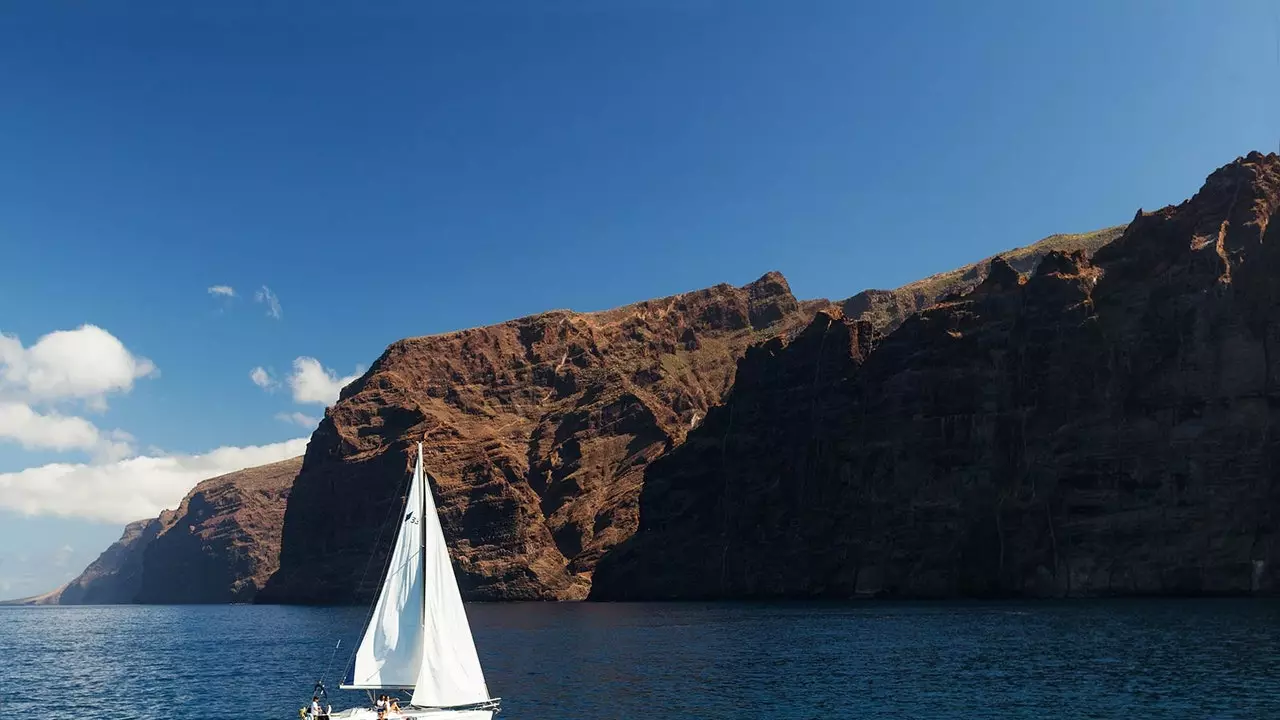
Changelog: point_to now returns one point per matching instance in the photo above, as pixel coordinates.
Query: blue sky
(422, 167)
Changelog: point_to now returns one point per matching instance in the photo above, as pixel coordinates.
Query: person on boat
(381, 705)
(315, 706)
(394, 705)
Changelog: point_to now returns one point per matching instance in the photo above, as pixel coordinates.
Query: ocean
(1132, 659)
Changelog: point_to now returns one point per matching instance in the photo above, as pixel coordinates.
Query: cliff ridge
(1105, 426)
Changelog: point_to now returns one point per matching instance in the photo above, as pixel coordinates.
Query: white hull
(412, 714)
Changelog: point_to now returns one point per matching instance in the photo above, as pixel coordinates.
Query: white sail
(419, 636)
(450, 671)
(390, 654)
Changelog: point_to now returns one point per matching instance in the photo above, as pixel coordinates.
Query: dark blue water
(1134, 659)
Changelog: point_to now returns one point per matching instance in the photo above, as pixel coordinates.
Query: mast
(422, 535)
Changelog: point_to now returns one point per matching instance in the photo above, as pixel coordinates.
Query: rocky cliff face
(537, 434)
(887, 309)
(539, 431)
(220, 545)
(1103, 427)
(223, 541)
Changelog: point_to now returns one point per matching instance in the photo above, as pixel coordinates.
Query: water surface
(1104, 659)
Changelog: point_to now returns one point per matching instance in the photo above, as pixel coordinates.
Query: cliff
(1103, 427)
(887, 309)
(220, 545)
(537, 433)
(223, 541)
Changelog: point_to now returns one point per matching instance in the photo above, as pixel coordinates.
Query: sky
(214, 215)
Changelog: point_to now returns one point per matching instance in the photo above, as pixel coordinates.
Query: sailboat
(417, 638)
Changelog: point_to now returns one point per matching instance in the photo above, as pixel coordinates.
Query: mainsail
(418, 636)
(450, 673)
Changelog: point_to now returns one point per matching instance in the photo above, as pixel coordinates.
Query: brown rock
(223, 541)
(540, 428)
(1105, 427)
(537, 433)
(220, 545)
(887, 309)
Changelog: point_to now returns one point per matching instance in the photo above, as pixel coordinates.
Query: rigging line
(323, 675)
(401, 567)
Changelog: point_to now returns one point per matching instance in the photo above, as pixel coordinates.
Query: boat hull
(414, 714)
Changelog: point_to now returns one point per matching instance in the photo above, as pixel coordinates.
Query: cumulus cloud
(268, 298)
(50, 431)
(45, 432)
(86, 363)
(262, 378)
(222, 291)
(311, 382)
(128, 490)
(298, 418)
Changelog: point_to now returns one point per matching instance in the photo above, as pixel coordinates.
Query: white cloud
(313, 383)
(223, 291)
(262, 378)
(34, 431)
(128, 490)
(298, 418)
(50, 431)
(86, 363)
(270, 300)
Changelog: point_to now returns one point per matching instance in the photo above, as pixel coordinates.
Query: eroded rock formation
(887, 309)
(223, 541)
(537, 434)
(1103, 427)
(220, 545)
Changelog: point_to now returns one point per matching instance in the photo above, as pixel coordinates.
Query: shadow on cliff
(1103, 427)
